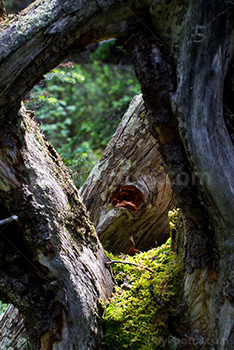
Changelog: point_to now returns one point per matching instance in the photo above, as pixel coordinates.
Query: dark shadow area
(13, 6)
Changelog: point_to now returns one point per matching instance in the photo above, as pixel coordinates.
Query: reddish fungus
(128, 197)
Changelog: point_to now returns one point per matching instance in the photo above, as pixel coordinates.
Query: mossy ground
(135, 318)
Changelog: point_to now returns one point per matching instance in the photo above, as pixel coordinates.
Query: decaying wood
(52, 263)
(127, 194)
(189, 124)
(131, 160)
(12, 331)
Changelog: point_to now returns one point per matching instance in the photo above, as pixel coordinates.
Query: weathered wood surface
(127, 194)
(185, 90)
(12, 330)
(52, 263)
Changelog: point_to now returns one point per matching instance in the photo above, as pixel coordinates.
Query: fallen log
(127, 194)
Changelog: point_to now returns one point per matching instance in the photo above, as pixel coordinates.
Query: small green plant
(172, 214)
(2, 307)
(137, 315)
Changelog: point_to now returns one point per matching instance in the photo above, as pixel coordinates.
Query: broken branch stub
(128, 194)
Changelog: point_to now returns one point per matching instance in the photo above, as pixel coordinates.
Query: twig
(128, 263)
(6, 221)
(151, 289)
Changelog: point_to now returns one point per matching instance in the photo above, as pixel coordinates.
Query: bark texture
(182, 84)
(52, 264)
(12, 331)
(127, 194)
(210, 151)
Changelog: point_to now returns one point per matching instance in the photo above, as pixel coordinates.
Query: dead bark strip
(127, 194)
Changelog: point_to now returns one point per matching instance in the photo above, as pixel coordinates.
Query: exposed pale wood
(130, 159)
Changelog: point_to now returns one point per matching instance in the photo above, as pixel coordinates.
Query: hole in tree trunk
(127, 197)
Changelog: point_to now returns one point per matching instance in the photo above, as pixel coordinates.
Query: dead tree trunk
(185, 93)
(127, 194)
(52, 263)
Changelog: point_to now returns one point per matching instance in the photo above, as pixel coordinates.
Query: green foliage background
(80, 106)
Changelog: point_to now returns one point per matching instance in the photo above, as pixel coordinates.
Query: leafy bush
(79, 108)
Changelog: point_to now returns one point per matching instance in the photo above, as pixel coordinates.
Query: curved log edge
(128, 195)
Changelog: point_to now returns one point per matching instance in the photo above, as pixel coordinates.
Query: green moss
(3, 307)
(172, 219)
(134, 319)
(177, 230)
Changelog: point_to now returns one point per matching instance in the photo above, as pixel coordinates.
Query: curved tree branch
(46, 32)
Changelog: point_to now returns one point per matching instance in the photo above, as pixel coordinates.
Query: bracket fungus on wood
(128, 195)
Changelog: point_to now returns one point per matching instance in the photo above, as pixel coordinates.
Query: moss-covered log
(128, 195)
